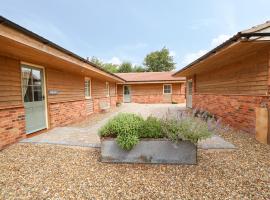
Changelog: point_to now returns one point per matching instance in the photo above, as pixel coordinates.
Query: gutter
(27, 32)
(235, 38)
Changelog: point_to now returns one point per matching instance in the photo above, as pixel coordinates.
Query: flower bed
(129, 138)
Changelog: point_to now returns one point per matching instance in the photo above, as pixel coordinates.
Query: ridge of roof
(27, 32)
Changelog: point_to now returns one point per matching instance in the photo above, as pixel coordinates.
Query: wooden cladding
(70, 87)
(99, 88)
(246, 76)
(10, 82)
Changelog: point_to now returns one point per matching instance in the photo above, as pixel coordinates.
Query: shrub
(151, 128)
(127, 141)
(188, 128)
(122, 124)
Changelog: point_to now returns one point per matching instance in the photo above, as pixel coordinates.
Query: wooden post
(262, 126)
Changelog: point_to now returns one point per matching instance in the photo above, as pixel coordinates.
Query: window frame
(164, 88)
(90, 88)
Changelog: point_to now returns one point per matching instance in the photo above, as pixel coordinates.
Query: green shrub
(188, 128)
(122, 124)
(127, 141)
(151, 128)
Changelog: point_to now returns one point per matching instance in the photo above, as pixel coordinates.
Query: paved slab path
(85, 133)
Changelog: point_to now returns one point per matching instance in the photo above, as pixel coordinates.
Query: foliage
(158, 61)
(122, 124)
(127, 141)
(138, 68)
(96, 61)
(110, 67)
(125, 67)
(129, 128)
(151, 128)
(189, 128)
(107, 66)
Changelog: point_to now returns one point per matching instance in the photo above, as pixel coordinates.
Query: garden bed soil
(150, 151)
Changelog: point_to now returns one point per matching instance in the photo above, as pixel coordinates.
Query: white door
(126, 94)
(189, 94)
(34, 98)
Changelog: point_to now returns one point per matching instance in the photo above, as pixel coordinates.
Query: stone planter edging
(161, 151)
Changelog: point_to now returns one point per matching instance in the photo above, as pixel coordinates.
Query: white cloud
(219, 40)
(115, 60)
(193, 56)
(172, 53)
(188, 58)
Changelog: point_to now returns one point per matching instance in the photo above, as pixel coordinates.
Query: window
(167, 89)
(87, 88)
(107, 89)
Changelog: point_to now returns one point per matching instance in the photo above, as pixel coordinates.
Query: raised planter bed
(162, 151)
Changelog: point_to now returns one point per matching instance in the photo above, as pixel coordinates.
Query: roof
(150, 77)
(259, 32)
(43, 40)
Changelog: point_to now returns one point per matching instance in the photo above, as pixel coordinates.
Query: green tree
(159, 61)
(107, 66)
(138, 68)
(110, 67)
(125, 67)
(96, 61)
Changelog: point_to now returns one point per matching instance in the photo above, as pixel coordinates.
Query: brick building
(151, 87)
(43, 85)
(233, 79)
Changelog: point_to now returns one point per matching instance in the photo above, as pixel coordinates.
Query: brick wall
(153, 93)
(236, 110)
(12, 126)
(110, 100)
(65, 113)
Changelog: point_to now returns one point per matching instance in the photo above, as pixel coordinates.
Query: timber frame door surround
(189, 93)
(126, 94)
(33, 95)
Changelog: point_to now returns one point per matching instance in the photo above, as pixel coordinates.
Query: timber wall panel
(70, 86)
(10, 82)
(247, 76)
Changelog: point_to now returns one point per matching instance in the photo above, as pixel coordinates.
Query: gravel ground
(29, 171)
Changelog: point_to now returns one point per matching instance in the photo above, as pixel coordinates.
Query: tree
(107, 66)
(159, 61)
(96, 61)
(125, 67)
(138, 68)
(111, 67)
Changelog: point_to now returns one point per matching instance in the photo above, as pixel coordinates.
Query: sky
(127, 30)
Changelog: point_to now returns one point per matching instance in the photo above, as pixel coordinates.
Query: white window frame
(164, 88)
(90, 88)
(107, 85)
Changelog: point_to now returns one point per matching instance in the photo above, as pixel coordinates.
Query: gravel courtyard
(43, 171)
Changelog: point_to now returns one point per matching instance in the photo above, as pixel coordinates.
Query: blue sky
(126, 30)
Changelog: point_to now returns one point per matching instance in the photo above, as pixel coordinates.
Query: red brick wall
(12, 126)
(238, 111)
(153, 93)
(61, 114)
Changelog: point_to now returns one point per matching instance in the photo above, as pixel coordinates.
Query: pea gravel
(32, 171)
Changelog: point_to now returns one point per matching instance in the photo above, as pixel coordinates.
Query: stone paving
(85, 133)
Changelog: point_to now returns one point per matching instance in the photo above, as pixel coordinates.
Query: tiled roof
(149, 76)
